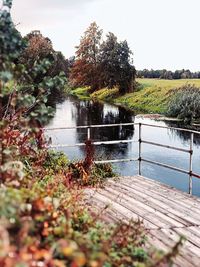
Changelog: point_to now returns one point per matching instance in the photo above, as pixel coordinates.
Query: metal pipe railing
(90, 126)
(95, 143)
(140, 141)
(165, 166)
(190, 163)
(116, 160)
(171, 128)
(166, 146)
(140, 149)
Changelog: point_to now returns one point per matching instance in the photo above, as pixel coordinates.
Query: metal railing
(140, 141)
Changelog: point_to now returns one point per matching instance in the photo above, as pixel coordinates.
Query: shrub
(81, 92)
(105, 94)
(50, 226)
(56, 161)
(87, 172)
(97, 176)
(185, 104)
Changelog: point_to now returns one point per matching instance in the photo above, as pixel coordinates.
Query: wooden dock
(166, 212)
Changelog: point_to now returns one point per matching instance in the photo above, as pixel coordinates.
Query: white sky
(161, 33)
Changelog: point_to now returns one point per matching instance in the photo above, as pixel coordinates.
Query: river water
(73, 112)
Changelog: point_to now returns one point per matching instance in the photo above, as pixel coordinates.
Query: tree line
(168, 75)
(97, 63)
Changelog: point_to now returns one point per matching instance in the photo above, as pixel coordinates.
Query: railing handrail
(140, 141)
(119, 124)
(90, 126)
(171, 128)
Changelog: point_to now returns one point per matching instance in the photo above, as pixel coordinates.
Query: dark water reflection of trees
(95, 113)
(184, 136)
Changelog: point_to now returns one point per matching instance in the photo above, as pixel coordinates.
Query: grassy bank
(81, 93)
(151, 96)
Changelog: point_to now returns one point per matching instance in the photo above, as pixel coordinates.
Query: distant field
(153, 94)
(167, 83)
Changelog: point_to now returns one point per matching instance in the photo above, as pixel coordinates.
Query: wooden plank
(119, 217)
(171, 235)
(178, 261)
(169, 238)
(165, 211)
(195, 230)
(151, 201)
(171, 204)
(123, 212)
(168, 198)
(165, 189)
(109, 211)
(135, 208)
(151, 213)
(190, 236)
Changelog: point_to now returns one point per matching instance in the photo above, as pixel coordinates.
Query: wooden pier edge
(166, 212)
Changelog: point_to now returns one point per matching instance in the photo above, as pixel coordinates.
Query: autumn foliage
(38, 46)
(100, 64)
(85, 70)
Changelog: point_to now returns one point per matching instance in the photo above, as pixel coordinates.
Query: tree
(109, 57)
(85, 71)
(42, 63)
(60, 64)
(116, 68)
(38, 47)
(127, 71)
(21, 112)
(103, 65)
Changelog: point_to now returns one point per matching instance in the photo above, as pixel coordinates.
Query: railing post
(88, 133)
(190, 163)
(140, 148)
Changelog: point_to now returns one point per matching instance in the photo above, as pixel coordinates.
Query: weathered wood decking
(166, 212)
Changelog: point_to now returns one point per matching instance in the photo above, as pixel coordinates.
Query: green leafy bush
(56, 161)
(103, 171)
(185, 104)
(105, 93)
(80, 92)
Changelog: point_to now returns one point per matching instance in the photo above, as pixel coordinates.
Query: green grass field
(153, 95)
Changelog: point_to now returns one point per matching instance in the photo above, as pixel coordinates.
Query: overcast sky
(161, 33)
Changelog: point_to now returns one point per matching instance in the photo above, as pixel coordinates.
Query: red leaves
(85, 69)
(89, 159)
(39, 205)
(38, 46)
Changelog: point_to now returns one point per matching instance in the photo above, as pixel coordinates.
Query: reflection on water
(184, 136)
(95, 113)
(73, 112)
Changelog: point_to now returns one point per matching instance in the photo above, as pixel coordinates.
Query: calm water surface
(73, 112)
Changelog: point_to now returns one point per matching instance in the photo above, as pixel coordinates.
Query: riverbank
(151, 96)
